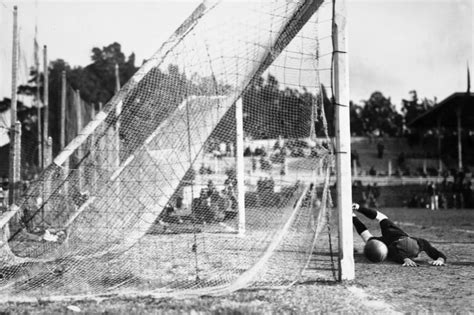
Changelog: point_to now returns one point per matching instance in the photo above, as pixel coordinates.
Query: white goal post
(343, 143)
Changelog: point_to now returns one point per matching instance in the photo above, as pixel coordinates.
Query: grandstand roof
(446, 111)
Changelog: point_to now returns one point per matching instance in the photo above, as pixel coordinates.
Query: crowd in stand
(370, 193)
(454, 192)
(402, 167)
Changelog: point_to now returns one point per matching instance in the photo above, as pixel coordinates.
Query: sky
(394, 46)
(398, 46)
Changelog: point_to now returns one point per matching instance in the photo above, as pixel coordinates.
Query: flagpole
(45, 96)
(15, 150)
(38, 100)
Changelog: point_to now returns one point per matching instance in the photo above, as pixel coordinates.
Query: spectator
(467, 193)
(3, 197)
(414, 201)
(370, 135)
(450, 196)
(179, 202)
(202, 169)
(248, 151)
(260, 151)
(355, 158)
(457, 191)
(260, 185)
(283, 169)
(401, 160)
(229, 191)
(201, 208)
(222, 149)
(372, 171)
(380, 149)
(370, 193)
(432, 195)
(265, 164)
(211, 188)
(254, 164)
(423, 203)
(443, 200)
(376, 193)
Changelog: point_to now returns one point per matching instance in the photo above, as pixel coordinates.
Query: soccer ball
(375, 250)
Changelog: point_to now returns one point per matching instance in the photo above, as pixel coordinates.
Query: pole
(15, 170)
(78, 108)
(459, 127)
(45, 99)
(47, 160)
(12, 174)
(438, 133)
(38, 101)
(240, 166)
(117, 78)
(62, 135)
(48, 151)
(343, 142)
(79, 125)
(14, 68)
(62, 138)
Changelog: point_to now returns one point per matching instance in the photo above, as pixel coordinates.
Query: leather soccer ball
(375, 250)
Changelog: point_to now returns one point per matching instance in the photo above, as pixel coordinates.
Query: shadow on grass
(461, 263)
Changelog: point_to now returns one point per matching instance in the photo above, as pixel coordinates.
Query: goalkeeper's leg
(361, 229)
(390, 231)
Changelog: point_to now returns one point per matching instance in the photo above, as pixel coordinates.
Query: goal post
(343, 142)
(240, 164)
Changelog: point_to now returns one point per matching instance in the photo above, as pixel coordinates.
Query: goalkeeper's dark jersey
(400, 245)
(410, 247)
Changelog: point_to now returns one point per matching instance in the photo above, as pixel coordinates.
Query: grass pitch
(378, 288)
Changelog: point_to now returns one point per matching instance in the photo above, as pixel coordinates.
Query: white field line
(377, 306)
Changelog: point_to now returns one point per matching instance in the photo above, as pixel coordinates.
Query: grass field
(378, 288)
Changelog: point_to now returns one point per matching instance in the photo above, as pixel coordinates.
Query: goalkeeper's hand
(407, 262)
(438, 262)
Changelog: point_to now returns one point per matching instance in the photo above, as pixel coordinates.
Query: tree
(378, 114)
(271, 111)
(97, 80)
(31, 97)
(413, 108)
(357, 122)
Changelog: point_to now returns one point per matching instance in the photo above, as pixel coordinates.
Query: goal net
(208, 172)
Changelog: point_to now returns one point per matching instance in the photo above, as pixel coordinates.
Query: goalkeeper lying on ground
(394, 243)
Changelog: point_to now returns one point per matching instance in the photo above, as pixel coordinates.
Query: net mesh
(157, 195)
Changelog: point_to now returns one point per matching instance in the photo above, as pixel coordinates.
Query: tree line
(270, 110)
